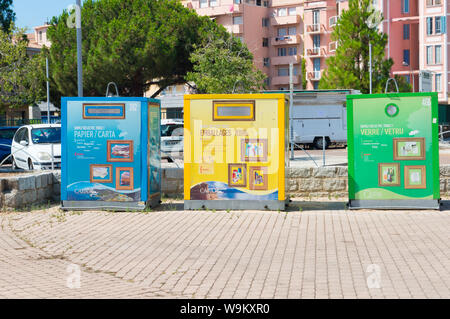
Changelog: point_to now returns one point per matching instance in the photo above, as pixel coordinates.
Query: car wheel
(30, 165)
(318, 143)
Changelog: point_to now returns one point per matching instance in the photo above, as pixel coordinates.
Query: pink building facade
(418, 41)
(280, 32)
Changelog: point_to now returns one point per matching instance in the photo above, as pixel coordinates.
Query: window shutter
(444, 24)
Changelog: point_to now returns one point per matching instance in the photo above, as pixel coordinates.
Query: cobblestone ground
(322, 251)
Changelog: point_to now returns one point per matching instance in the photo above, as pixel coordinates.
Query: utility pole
(48, 92)
(291, 103)
(79, 49)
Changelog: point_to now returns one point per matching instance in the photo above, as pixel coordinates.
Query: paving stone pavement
(317, 252)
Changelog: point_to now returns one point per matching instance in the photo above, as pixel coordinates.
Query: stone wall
(29, 189)
(309, 183)
(322, 182)
(172, 182)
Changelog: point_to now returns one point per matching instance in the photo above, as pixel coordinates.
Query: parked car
(32, 147)
(6, 137)
(171, 138)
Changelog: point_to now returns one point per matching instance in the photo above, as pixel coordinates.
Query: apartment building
(38, 39)
(418, 41)
(280, 32)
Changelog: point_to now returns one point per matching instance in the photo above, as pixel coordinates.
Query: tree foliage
(349, 67)
(21, 77)
(224, 65)
(7, 15)
(134, 43)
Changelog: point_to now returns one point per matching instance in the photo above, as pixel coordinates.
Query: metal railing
(34, 159)
(20, 122)
(324, 142)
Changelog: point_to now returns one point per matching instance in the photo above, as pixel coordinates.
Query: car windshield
(7, 134)
(46, 135)
(168, 130)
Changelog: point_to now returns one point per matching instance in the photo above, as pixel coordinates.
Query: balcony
(284, 80)
(333, 21)
(287, 39)
(235, 28)
(332, 47)
(280, 60)
(314, 75)
(275, 21)
(315, 28)
(219, 10)
(316, 52)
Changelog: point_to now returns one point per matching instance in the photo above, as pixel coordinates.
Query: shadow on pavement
(445, 205)
(296, 205)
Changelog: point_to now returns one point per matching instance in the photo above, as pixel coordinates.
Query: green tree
(224, 65)
(349, 67)
(134, 43)
(21, 76)
(7, 15)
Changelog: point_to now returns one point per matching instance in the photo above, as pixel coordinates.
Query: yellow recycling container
(235, 151)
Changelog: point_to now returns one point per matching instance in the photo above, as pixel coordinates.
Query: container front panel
(392, 148)
(102, 151)
(239, 158)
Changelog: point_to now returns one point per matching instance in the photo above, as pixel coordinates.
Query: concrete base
(115, 206)
(236, 204)
(394, 204)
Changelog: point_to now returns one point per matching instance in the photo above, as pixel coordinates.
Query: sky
(32, 13)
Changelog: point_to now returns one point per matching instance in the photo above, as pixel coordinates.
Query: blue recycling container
(110, 153)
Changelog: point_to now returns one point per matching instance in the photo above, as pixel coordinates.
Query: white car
(172, 132)
(33, 145)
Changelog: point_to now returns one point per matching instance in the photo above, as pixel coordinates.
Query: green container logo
(391, 110)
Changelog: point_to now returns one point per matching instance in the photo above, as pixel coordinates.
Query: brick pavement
(321, 251)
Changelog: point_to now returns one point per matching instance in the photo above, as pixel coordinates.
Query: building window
(203, 3)
(405, 6)
(406, 31)
(40, 36)
(266, 61)
(406, 57)
(267, 81)
(316, 85)
(237, 20)
(282, 32)
(437, 83)
(282, 51)
(292, 11)
(213, 3)
(265, 42)
(283, 72)
(437, 54)
(265, 22)
(408, 79)
(292, 30)
(292, 51)
(439, 25)
(429, 25)
(433, 2)
(282, 12)
(429, 54)
(316, 17)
